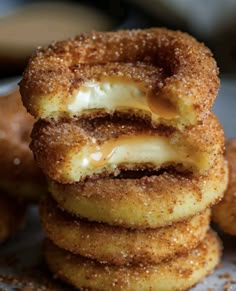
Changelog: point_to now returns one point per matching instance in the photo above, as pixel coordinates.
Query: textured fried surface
(19, 174)
(180, 273)
(118, 245)
(12, 214)
(55, 143)
(154, 201)
(54, 72)
(224, 213)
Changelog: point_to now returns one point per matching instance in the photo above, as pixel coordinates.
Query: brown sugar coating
(190, 72)
(117, 245)
(179, 273)
(147, 201)
(12, 214)
(19, 174)
(150, 76)
(224, 213)
(54, 142)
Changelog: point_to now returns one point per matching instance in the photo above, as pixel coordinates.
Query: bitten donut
(224, 213)
(179, 273)
(119, 246)
(151, 201)
(12, 214)
(19, 174)
(71, 151)
(165, 75)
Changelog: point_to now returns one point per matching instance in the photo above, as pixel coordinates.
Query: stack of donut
(133, 156)
(20, 179)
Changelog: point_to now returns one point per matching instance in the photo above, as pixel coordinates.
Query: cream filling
(118, 95)
(129, 151)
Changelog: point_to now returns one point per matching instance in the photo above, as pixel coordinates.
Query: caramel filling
(120, 94)
(161, 107)
(130, 151)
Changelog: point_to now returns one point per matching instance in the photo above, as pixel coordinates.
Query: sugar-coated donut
(224, 213)
(19, 174)
(148, 201)
(169, 76)
(179, 273)
(70, 151)
(12, 214)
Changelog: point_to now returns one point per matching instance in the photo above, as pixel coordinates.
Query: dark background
(133, 14)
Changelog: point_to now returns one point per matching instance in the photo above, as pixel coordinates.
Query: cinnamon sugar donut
(224, 213)
(154, 200)
(70, 151)
(116, 245)
(12, 214)
(19, 174)
(179, 273)
(165, 75)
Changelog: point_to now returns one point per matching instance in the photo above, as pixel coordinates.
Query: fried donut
(165, 75)
(118, 245)
(179, 273)
(224, 213)
(148, 201)
(12, 214)
(70, 151)
(19, 174)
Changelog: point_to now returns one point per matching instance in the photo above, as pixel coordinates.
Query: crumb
(233, 281)
(227, 286)
(224, 276)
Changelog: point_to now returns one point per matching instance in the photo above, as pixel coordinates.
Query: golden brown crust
(116, 245)
(12, 214)
(54, 142)
(224, 213)
(180, 273)
(190, 69)
(154, 201)
(19, 174)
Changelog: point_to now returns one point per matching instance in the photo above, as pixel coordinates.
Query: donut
(116, 245)
(179, 273)
(70, 151)
(164, 75)
(143, 202)
(19, 174)
(224, 213)
(12, 216)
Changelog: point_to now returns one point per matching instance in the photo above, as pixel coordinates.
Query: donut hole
(139, 174)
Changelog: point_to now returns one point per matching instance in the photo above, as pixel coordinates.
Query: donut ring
(55, 73)
(224, 213)
(154, 201)
(119, 246)
(12, 215)
(60, 147)
(19, 174)
(180, 273)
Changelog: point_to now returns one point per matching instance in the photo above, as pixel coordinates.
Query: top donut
(162, 75)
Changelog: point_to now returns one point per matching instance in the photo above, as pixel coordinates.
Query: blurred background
(25, 24)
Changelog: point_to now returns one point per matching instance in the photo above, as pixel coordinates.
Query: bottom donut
(179, 273)
(12, 214)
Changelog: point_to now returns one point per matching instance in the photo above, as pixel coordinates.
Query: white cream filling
(118, 95)
(129, 151)
(108, 95)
